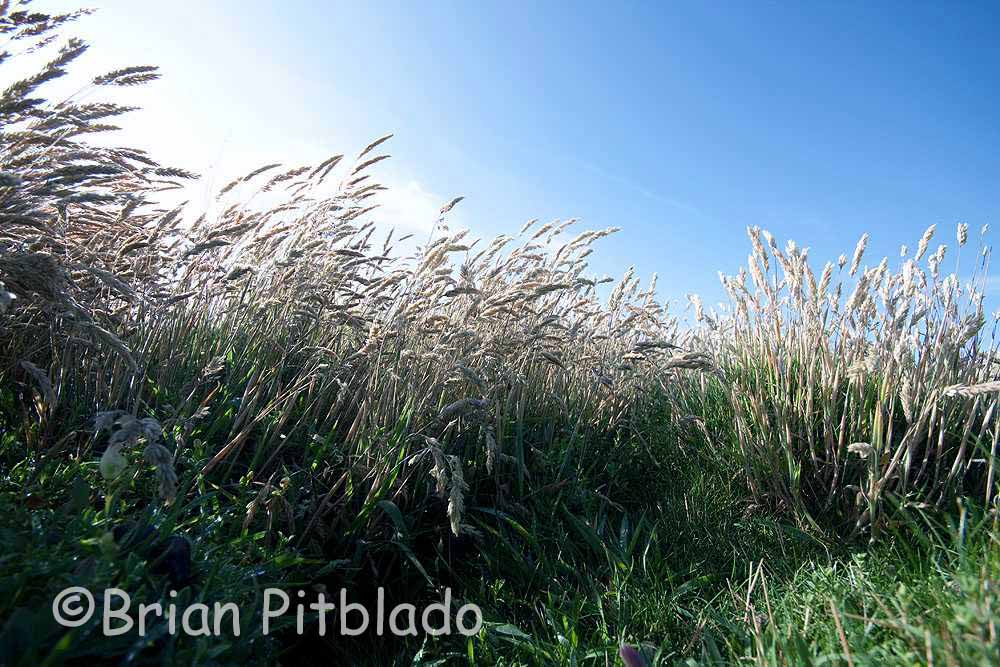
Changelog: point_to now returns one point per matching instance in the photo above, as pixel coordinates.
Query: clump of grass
(79, 241)
(861, 384)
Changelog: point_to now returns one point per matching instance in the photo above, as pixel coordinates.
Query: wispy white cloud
(407, 207)
(623, 181)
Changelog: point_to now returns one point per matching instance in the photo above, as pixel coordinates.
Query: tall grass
(452, 413)
(862, 383)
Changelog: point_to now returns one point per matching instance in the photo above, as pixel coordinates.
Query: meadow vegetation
(277, 394)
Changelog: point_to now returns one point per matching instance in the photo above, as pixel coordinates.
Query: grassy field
(269, 397)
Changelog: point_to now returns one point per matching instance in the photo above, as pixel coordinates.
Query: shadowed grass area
(664, 549)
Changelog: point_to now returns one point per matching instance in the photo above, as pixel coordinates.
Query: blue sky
(680, 122)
